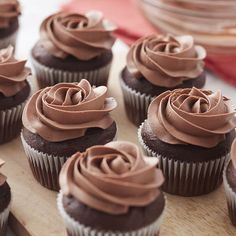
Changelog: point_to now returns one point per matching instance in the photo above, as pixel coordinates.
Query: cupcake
(111, 190)
(14, 90)
(61, 120)
(73, 47)
(229, 177)
(5, 202)
(158, 63)
(191, 132)
(9, 12)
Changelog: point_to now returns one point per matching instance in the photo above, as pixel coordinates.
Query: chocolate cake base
(5, 196)
(189, 170)
(145, 87)
(51, 70)
(40, 54)
(136, 218)
(93, 136)
(9, 102)
(138, 94)
(11, 109)
(47, 158)
(12, 28)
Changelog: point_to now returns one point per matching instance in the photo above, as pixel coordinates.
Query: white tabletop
(34, 11)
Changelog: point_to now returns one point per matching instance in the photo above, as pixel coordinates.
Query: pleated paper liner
(74, 228)
(9, 40)
(10, 123)
(3, 220)
(136, 104)
(48, 76)
(188, 178)
(230, 197)
(45, 167)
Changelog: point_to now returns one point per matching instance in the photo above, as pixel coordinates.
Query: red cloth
(132, 25)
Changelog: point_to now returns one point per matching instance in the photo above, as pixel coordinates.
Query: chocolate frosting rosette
(65, 118)
(14, 90)
(114, 182)
(74, 46)
(9, 12)
(193, 130)
(157, 63)
(229, 177)
(5, 201)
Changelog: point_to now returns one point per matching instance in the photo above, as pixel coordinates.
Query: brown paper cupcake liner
(188, 178)
(3, 220)
(10, 123)
(10, 40)
(48, 76)
(230, 197)
(136, 104)
(45, 167)
(74, 228)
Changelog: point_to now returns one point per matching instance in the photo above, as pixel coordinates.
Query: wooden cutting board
(34, 211)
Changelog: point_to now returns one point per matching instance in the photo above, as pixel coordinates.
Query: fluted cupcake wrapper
(45, 167)
(4, 219)
(230, 197)
(188, 178)
(136, 104)
(10, 122)
(49, 76)
(9, 40)
(74, 228)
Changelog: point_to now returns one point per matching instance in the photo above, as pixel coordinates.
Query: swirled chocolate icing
(165, 60)
(191, 116)
(112, 178)
(233, 153)
(82, 36)
(2, 177)
(65, 111)
(13, 73)
(9, 9)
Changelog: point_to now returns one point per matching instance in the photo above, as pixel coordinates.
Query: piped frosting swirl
(13, 72)
(81, 36)
(112, 178)
(65, 111)
(9, 9)
(191, 116)
(165, 60)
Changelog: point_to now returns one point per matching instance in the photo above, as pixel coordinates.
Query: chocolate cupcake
(229, 177)
(111, 190)
(191, 132)
(73, 47)
(61, 120)
(14, 90)
(158, 63)
(9, 12)
(5, 202)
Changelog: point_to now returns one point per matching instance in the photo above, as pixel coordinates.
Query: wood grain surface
(34, 211)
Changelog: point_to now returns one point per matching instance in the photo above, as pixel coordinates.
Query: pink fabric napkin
(132, 25)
